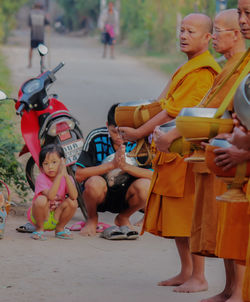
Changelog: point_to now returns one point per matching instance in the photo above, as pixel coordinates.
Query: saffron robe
(246, 285)
(233, 225)
(169, 207)
(207, 185)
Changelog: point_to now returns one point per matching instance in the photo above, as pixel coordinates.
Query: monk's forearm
(148, 128)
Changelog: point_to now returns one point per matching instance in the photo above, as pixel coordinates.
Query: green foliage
(232, 3)
(76, 10)
(10, 169)
(7, 16)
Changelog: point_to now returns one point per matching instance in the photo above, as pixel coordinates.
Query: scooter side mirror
(3, 96)
(42, 49)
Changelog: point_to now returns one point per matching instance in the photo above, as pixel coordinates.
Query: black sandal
(26, 228)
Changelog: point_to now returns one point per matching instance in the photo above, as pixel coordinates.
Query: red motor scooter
(46, 120)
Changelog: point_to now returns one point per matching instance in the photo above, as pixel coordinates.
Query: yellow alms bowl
(197, 127)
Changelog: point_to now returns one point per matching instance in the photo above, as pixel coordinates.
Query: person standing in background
(37, 23)
(109, 25)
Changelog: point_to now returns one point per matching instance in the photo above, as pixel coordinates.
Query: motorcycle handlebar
(20, 109)
(58, 67)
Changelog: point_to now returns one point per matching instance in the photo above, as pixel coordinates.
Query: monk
(241, 140)
(231, 44)
(170, 202)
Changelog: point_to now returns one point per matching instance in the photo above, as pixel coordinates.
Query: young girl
(54, 203)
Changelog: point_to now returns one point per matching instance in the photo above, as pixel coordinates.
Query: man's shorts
(115, 201)
(35, 43)
(107, 39)
(49, 225)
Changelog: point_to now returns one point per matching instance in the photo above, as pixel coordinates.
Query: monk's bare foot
(192, 285)
(175, 281)
(222, 297)
(120, 220)
(90, 228)
(139, 223)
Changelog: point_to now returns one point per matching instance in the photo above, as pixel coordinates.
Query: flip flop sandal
(76, 226)
(26, 228)
(130, 234)
(113, 233)
(101, 226)
(38, 235)
(62, 234)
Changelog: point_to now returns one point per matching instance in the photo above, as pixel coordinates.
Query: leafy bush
(10, 169)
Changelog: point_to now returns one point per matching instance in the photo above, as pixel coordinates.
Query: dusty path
(90, 269)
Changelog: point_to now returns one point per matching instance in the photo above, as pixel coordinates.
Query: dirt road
(90, 269)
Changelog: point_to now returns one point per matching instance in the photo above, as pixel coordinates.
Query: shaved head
(227, 38)
(202, 21)
(229, 18)
(195, 34)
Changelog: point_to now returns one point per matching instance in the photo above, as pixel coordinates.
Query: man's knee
(95, 186)
(139, 188)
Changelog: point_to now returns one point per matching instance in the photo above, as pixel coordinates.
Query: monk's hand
(241, 139)
(128, 133)
(237, 123)
(161, 140)
(230, 157)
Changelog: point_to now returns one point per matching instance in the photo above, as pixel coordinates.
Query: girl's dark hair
(111, 115)
(51, 148)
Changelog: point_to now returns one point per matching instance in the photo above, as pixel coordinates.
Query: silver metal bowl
(117, 176)
(242, 102)
(202, 112)
(136, 103)
(168, 126)
(219, 142)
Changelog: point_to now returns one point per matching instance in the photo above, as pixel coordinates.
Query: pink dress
(43, 183)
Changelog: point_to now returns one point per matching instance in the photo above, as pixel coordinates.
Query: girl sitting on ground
(54, 203)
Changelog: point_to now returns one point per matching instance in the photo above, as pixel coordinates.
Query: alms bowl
(242, 102)
(136, 113)
(198, 122)
(178, 145)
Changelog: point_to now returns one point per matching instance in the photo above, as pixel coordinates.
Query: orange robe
(246, 286)
(169, 207)
(207, 185)
(233, 226)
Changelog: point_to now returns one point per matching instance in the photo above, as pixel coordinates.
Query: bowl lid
(202, 112)
(219, 142)
(136, 103)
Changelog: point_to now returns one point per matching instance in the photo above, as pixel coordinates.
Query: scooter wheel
(31, 172)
